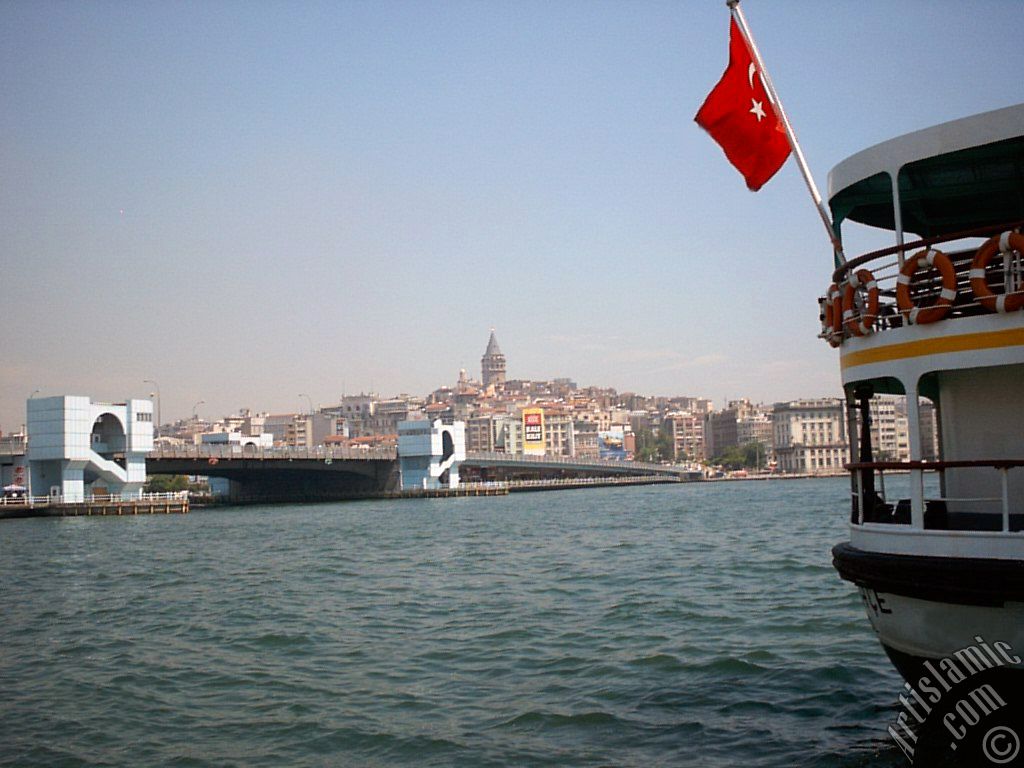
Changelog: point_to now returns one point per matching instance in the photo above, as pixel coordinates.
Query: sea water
(696, 624)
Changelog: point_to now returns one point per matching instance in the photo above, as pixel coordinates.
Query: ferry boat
(939, 317)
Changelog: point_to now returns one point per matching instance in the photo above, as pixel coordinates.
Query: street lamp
(310, 402)
(28, 484)
(200, 402)
(156, 432)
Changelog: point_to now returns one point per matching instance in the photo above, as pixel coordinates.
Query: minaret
(493, 365)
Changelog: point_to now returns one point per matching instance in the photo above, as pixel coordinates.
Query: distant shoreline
(775, 477)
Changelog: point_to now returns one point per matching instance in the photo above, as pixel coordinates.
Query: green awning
(966, 189)
(972, 188)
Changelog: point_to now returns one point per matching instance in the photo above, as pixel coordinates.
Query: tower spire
(492, 364)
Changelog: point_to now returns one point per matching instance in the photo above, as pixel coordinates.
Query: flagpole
(826, 219)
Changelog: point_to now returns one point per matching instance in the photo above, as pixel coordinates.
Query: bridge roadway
(287, 474)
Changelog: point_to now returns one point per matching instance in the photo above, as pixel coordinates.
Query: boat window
(962, 190)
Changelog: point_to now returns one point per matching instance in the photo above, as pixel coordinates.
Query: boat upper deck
(938, 315)
(953, 197)
(961, 175)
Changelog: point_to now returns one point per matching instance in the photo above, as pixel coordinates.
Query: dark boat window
(963, 190)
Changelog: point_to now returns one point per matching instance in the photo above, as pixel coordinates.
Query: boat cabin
(937, 315)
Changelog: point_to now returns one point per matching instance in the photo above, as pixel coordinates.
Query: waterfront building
(696, 405)
(720, 432)
(755, 427)
(740, 423)
(559, 432)
(186, 431)
(687, 430)
(586, 440)
(288, 429)
(928, 425)
(325, 425)
(492, 365)
(442, 411)
(557, 436)
(302, 430)
(381, 417)
(245, 422)
(429, 454)
(367, 415)
(810, 436)
(78, 447)
(487, 432)
(589, 412)
(355, 408)
(890, 437)
(641, 419)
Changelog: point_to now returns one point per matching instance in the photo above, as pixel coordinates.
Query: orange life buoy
(862, 324)
(995, 302)
(831, 317)
(836, 303)
(212, 461)
(923, 315)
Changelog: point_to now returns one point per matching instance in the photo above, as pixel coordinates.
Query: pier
(146, 504)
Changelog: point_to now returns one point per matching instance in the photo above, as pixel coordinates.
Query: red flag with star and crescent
(739, 116)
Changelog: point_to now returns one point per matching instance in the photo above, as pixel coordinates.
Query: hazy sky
(247, 201)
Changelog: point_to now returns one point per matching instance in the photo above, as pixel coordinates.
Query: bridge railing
(10, 447)
(576, 462)
(327, 454)
(228, 451)
(558, 482)
(574, 482)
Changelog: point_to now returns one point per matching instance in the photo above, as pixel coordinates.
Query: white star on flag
(757, 110)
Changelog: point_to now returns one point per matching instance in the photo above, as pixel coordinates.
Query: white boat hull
(927, 629)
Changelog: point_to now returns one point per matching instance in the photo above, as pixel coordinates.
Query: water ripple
(690, 625)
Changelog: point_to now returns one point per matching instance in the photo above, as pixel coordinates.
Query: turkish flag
(740, 117)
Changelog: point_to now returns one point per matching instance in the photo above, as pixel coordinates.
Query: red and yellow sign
(533, 431)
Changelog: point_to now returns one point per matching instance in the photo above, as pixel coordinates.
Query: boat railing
(937, 512)
(885, 264)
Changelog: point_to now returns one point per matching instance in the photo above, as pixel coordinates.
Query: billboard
(533, 431)
(612, 444)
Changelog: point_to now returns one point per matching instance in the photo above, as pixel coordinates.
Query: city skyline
(245, 203)
(463, 376)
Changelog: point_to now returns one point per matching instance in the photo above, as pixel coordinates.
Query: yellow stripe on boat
(935, 346)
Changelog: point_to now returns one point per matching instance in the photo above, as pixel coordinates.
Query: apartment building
(809, 436)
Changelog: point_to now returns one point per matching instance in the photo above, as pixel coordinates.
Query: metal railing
(580, 481)
(575, 462)
(12, 447)
(841, 273)
(92, 498)
(918, 500)
(489, 485)
(885, 265)
(229, 451)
